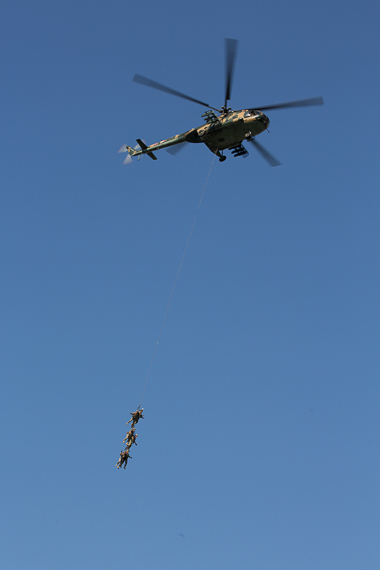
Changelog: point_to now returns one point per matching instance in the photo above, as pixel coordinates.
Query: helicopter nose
(264, 119)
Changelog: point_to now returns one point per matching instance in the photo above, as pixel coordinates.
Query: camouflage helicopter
(224, 128)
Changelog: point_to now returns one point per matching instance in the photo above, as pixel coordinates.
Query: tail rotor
(129, 150)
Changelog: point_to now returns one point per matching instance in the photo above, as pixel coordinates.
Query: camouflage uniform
(131, 438)
(124, 456)
(136, 416)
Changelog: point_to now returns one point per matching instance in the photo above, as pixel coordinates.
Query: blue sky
(259, 447)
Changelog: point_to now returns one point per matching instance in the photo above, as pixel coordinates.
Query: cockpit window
(252, 113)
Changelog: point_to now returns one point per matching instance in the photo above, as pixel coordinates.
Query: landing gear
(221, 156)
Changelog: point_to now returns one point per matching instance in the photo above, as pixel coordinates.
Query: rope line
(175, 282)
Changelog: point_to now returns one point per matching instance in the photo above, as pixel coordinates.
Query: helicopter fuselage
(220, 132)
(231, 129)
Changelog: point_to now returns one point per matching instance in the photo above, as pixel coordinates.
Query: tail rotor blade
(128, 159)
(265, 153)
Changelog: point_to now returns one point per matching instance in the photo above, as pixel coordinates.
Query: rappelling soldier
(123, 460)
(130, 437)
(136, 416)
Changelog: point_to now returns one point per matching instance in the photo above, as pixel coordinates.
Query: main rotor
(230, 57)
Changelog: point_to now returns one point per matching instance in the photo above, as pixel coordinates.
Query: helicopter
(224, 128)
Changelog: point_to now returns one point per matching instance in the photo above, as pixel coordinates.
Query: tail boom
(142, 148)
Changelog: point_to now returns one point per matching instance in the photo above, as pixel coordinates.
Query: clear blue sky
(260, 444)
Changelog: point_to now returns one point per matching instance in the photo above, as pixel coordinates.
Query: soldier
(136, 416)
(131, 437)
(124, 456)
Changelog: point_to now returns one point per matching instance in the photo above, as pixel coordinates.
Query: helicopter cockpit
(253, 113)
(250, 113)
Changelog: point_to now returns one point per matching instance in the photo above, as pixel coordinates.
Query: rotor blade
(128, 159)
(231, 47)
(150, 83)
(300, 103)
(173, 150)
(265, 153)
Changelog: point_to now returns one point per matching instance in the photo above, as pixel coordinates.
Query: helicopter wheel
(222, 158)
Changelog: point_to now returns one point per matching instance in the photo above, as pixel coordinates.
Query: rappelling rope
(131, 435)
(176, 279)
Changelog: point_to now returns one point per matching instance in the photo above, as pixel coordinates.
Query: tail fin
(144, 147)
